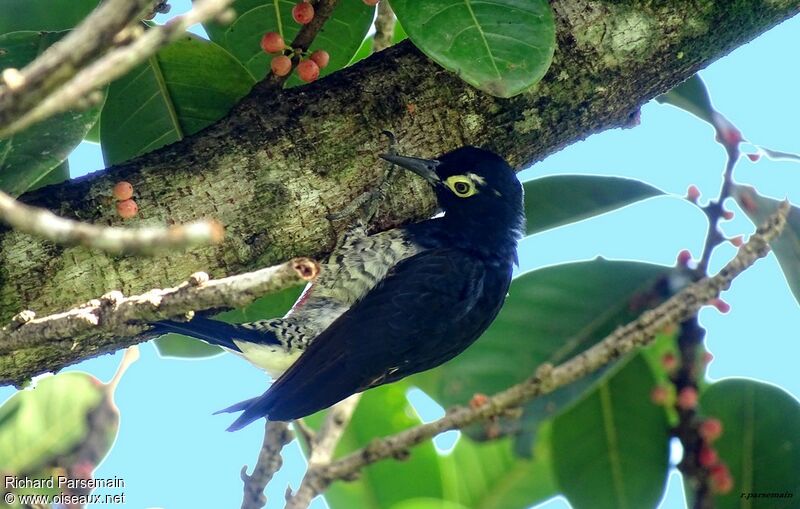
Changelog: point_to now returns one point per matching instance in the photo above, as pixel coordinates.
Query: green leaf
(428, 503)
(554, 201)
(341, 38)
(269, 306)
(183, 88)
(611, 450)
(760, 441)
(44, 15)
(692, 96)
(787, 245)
(491, 476)
(57, 175)
(380, 412)
(28, 157)
(502, 47)
(550, 315)
(46, 422)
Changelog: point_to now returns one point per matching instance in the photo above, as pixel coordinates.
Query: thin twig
(43, 223)
(384, 27)
(124, 316)
(61, 61)
(276, 436)
(114, 64)
(322, 450)
(623, 340)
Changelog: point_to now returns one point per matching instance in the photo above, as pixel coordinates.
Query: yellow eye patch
(461, 185)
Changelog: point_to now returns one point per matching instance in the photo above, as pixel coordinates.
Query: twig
(114, 64)
(114, 313)
(384, 27)
(276, 436)
(322, 449)
(714, 209)
(623, 340)
(302, 41)
(43, 223)
(62, 60)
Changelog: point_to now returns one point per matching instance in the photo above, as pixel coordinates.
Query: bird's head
(472, 185)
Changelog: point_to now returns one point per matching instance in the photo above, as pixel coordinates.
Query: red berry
(308, 70)
(684, 257)
(669, 361)
(122, 190)
(281, 65)
(321, 57)
(127, 209)
(737, 241)
(707, 357)
(721, 480)
(371, 2)
(754, 157)
(478, 400)
(659, 395)
(687, 398)
(710, 429)
(303, 13)
(727, 214)
(707, 456)
(693, 193)
(272, 42)
(722, 306)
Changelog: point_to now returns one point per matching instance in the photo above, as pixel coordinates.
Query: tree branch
(322, 450)
(61, 61)
(41, 222)
(276, 436)
(623, 340)
(93, 327)
(111, 66)
(280, 163)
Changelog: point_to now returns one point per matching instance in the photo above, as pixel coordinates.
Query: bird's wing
(404, 325)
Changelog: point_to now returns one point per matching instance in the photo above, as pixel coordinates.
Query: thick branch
(94, 326)
(279, 164)
(623, 340)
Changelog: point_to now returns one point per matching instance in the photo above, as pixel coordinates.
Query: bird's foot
(363, 208)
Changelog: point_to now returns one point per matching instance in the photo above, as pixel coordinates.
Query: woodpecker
(391, 304)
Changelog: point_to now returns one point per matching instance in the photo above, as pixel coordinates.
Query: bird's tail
(211, 331)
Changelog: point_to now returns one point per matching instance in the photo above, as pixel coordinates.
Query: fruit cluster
(309, 65)
(126, 207)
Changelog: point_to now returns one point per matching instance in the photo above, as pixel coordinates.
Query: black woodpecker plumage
(388, 305)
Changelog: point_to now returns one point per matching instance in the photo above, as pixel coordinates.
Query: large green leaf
(380, 412)
(562, 199)
(44, 423)
(502, 47)
(549, 315)
(341, 37)
(787, 246)
(692, 96)
(43, 15)
(760, 441)
(611, 450)
(181, 89)
(28, 157)
(269, 306)
(492, 476)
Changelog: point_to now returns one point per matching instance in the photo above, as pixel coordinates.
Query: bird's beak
(425, 168)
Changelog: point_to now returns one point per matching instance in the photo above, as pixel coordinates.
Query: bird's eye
(461, 185)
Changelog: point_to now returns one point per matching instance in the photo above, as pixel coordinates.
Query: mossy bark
(279, 163)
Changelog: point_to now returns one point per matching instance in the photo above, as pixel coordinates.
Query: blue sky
(173, 453)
